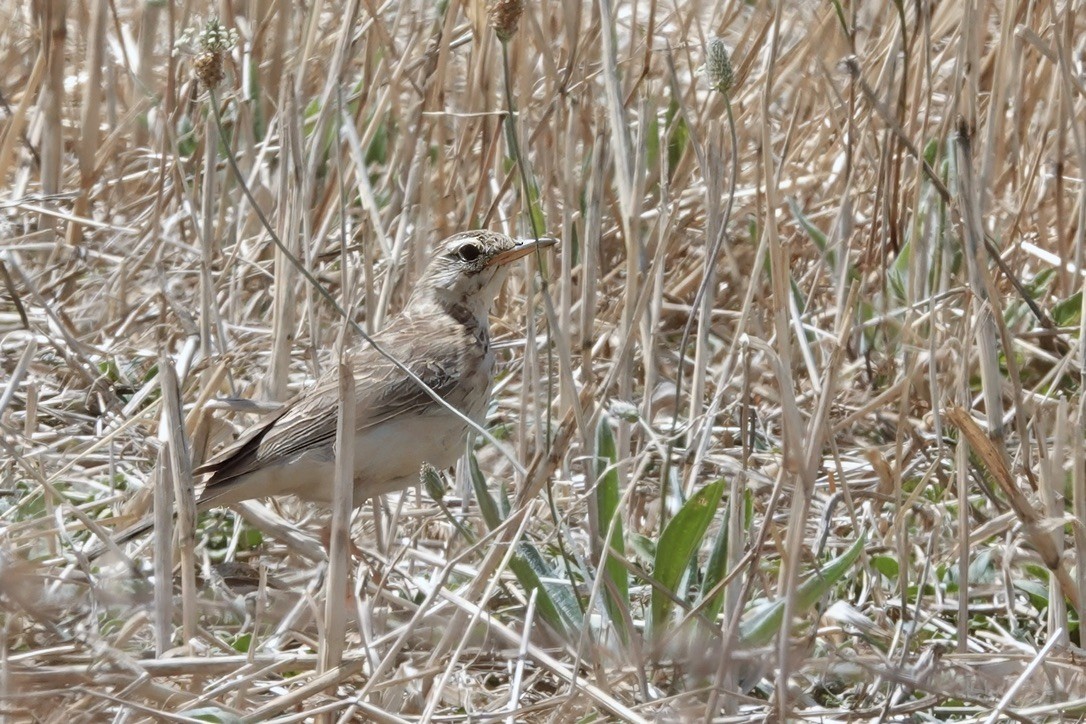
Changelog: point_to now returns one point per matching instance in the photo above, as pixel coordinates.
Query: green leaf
(488, 507)
(931, 152)
(535, 206)
(678, 135)
(377, 151)
(241, 643)
(816, 235)
(1036, 592)
(505, 506)
(431, 480)
(887, 566)
(617, 593)
(527, 563)
(529, 581)
(1041, 284)
(260, 124)
(717, 567)
(250, 538)
(555, 600)
(801, 301)
(898, 273)
(652, 142)
(678, 545)
(764, 622)
(1068, 312)
(981, 568)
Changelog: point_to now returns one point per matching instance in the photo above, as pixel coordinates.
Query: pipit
(442, 335)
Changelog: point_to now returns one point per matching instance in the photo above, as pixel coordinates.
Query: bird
(442, 335)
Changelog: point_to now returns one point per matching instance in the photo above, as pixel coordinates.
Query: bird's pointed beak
(523, 248)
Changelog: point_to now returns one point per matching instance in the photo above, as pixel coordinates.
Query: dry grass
(818, 305)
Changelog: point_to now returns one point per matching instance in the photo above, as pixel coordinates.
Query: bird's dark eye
(468, 252)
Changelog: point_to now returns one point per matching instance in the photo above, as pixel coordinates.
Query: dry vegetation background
(890, 237)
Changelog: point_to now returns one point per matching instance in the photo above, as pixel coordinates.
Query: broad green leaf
(527, 564)
(717, 567)
(652, 142)
(535, 206)
(1041, 284)
(1038, 593)
(487, 505)
(1068, 312)
(801, 301)
(898, 274)
(762, 625)
(250, 539)
(558, 594)
(817, 235)
(931, 152)
(505, 506)
(242, 643)
(617, 594)
(529, 580)
(887, 566)
(678, 545)
(256, 92)
(981, 568)
(377, 151)
(678, 135)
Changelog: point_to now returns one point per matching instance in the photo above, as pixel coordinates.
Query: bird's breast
(476, 377)
(388, 456)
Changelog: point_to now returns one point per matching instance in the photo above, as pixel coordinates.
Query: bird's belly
(389, 454)
(387, 457)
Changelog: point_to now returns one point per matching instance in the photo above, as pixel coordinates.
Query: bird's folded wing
(243, 445)
(398, 394)
(308, 421)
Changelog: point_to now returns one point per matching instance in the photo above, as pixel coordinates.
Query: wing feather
(308, 421)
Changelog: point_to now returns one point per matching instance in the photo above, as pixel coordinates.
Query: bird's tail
(220, 495)
(117, 542)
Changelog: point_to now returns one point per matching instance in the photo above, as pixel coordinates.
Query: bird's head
(468, 269)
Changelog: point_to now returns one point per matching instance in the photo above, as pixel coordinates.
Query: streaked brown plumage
(442, 335)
